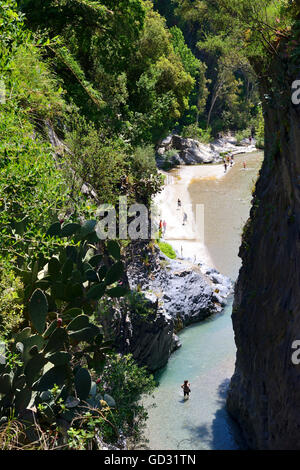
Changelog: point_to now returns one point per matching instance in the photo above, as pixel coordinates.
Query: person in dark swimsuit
(186, 388)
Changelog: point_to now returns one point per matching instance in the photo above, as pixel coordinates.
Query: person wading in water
(186, 389)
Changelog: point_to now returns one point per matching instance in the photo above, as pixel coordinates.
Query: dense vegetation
(87, 88)
(53, 268)
(226, 94)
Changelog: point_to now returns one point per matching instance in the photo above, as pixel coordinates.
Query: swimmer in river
(186, 386)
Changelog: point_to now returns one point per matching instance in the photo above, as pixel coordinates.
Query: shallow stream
(207, 356)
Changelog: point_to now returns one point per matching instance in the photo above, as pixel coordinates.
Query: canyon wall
(264, 395)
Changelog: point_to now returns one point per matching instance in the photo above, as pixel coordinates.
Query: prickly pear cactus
(60, 346)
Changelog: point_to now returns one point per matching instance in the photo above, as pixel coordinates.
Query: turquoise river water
(207, 356)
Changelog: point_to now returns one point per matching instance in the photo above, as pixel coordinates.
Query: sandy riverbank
(188, 239)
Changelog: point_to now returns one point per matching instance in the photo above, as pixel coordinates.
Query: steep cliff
(264, 395)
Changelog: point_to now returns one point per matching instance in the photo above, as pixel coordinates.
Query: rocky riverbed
(177, 293)
(175, 150)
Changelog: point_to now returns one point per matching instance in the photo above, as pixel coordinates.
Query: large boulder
(189, 152)
(176, 293)
(185, 291)
(192, 152)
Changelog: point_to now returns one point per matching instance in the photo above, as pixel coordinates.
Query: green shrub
(194, 132)
(33, 86)
(138, 304)
(260, 130)
(241, 135)
(11, 308)
(167, 250)
(143, 161)
(127, 382)
(111, 165)
(32, 189)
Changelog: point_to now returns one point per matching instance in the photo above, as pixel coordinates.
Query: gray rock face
(181, 288)
(264, 395)
(192, 152)
(178, 294)
(150, 340)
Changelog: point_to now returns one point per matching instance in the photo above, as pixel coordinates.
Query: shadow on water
(224, 434)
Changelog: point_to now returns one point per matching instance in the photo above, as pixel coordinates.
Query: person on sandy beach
(178, 204)
(186, 386)
(164, 227)
(160, 228)
(185, 217)
(225, 166)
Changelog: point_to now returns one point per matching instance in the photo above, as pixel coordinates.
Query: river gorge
(207, 356)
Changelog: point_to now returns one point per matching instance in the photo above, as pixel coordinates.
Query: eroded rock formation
(176, 150)
(178, 293)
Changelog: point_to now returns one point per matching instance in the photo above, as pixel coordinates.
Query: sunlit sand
(186, 238)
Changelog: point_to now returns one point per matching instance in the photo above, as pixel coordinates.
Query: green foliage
(11, 309)
(219, 30)
(138, 304)
(123, 379)
(12, 32)
(158, 84)
(260, 130)
(64, 56)
(32, 189)
(143, 162)
(112, 166)
(167, 250)
(149, 183)
(32, 86)
(104, 30)
(190, 62)
(117, 63)
(97, 160)
(59, 344)
(242, 135)
(194, 132)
